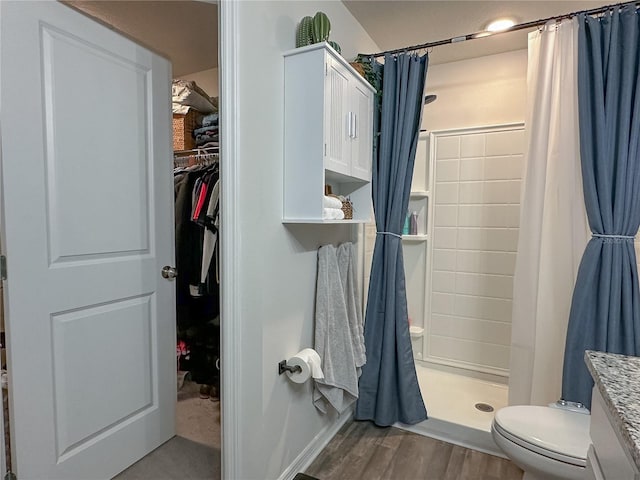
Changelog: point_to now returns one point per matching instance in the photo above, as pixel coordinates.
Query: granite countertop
(618, 379)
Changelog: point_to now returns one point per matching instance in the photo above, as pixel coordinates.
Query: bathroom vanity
(614, 453)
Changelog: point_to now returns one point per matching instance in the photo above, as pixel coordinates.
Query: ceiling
(397, 23)
(187, 31)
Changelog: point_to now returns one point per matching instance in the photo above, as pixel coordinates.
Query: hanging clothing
(210, 221)
(197, 286)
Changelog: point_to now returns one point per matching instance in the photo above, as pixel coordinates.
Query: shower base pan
(451, 400)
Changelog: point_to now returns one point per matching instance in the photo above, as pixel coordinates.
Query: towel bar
(283, 367)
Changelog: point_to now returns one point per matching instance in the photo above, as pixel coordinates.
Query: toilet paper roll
(310, 363)
(304, 374)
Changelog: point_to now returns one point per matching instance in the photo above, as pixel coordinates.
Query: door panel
(336, 119)
(88, 224)
(76, 148)
(362, 143)
(88, 334)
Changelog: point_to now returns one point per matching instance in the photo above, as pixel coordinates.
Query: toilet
(548, 443)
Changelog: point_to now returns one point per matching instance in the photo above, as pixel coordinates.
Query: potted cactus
(314, 30)
(321, 27)
(304, 35)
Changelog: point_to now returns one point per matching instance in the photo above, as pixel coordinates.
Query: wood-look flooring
(361, 450)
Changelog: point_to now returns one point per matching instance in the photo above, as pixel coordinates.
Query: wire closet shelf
(196, 156)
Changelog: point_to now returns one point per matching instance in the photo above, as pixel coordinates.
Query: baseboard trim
(466, 437)
(309, 454)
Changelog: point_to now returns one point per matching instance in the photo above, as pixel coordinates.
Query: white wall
(277, 262)
(482, 91)
(206, 79)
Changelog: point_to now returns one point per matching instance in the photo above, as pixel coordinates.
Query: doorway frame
(231, 457)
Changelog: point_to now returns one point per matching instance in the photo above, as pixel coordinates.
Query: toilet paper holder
(283, 367)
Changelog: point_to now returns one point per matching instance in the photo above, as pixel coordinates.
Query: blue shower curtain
(389, 390)
(605, 311)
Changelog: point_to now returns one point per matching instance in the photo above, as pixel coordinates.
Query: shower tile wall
(475, 238)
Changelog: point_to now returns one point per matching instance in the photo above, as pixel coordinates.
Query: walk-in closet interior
(186, 34)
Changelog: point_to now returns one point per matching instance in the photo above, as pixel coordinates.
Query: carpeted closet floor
(194, 453)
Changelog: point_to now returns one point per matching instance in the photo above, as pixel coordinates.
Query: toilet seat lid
(560, 432)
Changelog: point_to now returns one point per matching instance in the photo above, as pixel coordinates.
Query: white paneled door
(88, 226)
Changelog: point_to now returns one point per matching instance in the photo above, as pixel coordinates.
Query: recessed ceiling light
(500, 24)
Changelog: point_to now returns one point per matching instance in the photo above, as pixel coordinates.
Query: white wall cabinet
(328, 134)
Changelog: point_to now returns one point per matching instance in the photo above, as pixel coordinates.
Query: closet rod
(483, 34)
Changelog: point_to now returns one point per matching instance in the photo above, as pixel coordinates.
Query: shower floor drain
(484, 407)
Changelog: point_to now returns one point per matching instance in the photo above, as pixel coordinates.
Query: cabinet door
(361, 131)
(612, 455)
(336, 121)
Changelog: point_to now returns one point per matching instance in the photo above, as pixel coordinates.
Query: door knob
(169, 272)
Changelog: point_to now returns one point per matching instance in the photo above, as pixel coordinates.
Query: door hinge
(10, 476)
(326, 68)
(3, 267)
(325, 149)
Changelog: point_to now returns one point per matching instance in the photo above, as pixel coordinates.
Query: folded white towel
(331, 202)
(332, 214)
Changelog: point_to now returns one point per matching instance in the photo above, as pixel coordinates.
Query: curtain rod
(483, 34)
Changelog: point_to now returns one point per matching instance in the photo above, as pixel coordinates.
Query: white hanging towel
(347, 263)
(333, 337)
